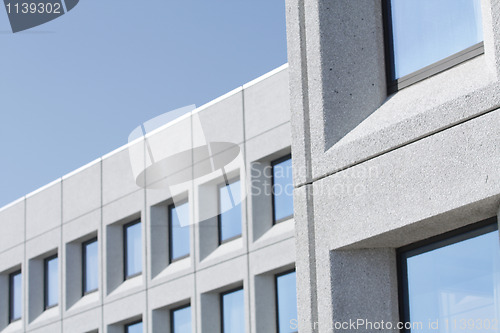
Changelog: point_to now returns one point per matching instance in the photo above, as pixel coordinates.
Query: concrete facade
(98, 199)
(374, 172)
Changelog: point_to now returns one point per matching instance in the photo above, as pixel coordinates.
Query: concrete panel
(456, 169)
(87, 321)
(273, 257)
(267, 104)
(226, 273)
(363, 286)
(118, 178)
(124, 310)
(10, 262)
(50, 328)
(43, 210)
(12, 225)
(82, 192)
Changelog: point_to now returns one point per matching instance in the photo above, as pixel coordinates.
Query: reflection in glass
(287, 302)
(282, 190)
(15, 303)
(134, 328)
(90, 265)
(426, 31)
(455, 284)
(233, 312)
(230, 211)
(179, 231)
(181, 320)
(51, 282)
(133, 249)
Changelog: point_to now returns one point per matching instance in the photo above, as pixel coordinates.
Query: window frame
(46, 281)
(276, 276)
(84, 269)
(221, 304)
(273, 163)
(430, 244)
(227, 182)
(11, 295)
(170, 243)
(125, 266)
(126, 326)
(171, 313)
(394, 85)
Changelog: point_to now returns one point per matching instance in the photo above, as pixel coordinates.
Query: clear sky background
(73, 89)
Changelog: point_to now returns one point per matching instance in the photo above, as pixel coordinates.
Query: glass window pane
(181, 320)
(133, 251)
(134, 328)
(456, 283)
(230, 211)
(91, 277)
(426, 31)
(233, 312)
(52, 282)
(287, 302)
(15, 296)
(283, 190)
(179, 231)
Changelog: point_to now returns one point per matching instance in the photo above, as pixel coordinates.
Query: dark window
(233, 311)
(453, 280)
(425, 37)
(286, 302)
(132, 242)
(229, 211)
(135, 327)
(15, 296)
(282, 189)
(179, 230)
(51, 281)
(180, 320)
(90, 266)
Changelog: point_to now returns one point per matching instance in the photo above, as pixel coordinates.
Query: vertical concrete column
(364, 290)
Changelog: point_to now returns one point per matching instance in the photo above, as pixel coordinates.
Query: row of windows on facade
(229, 224)
(232, 315)
(425, 37)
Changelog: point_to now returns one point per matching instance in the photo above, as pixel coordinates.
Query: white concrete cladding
(375, 172)
(98, 199)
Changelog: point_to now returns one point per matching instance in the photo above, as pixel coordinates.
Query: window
(233, 311)
(15, 296)
(282, 189)
(132, 249)
(428, 36)
(51, 281)
(286, 301)
(180, 320)
(90, 262)
(135, 327)
(229, 211)
(453, 280)
(179, 231)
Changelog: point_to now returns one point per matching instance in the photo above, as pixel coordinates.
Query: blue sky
(73, 89)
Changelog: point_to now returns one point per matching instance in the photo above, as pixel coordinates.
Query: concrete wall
(98, 199)
(375, 172)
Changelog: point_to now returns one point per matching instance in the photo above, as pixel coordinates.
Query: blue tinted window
(287, 302)
(51, 282)
(233, 312)
(15, 290)
(181, 320)
(230, 211)
(133, 249)
(426, 31)
(282, 189)
(456, 284)
(179, 231)
(90, 266)
(134, 328)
